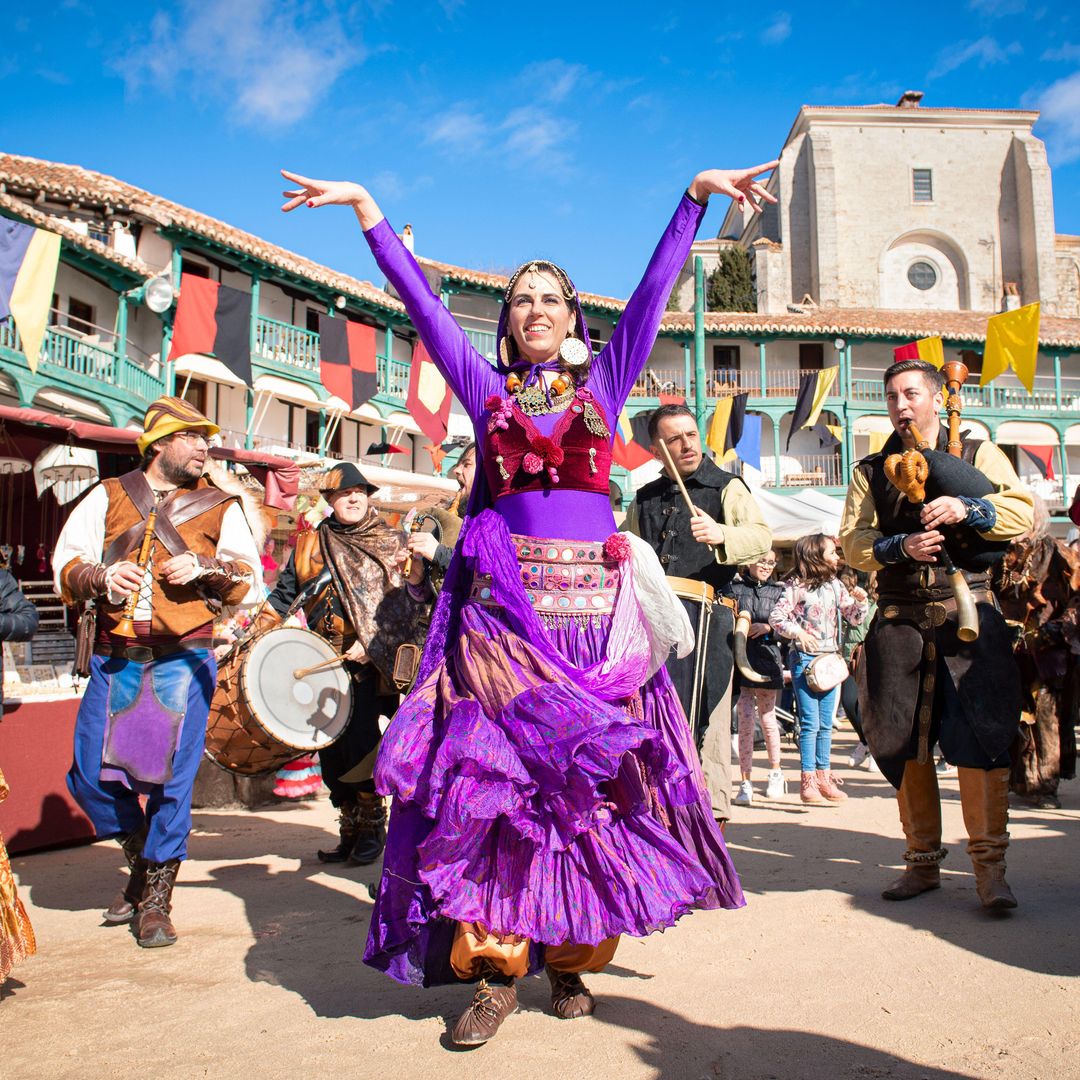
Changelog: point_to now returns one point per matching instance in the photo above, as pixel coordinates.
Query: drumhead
(307, 713)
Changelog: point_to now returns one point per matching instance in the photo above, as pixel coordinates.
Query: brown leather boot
(570, 997)
(153, 927)
(348, 826)
(920, 815)
(492, 1003)
(370, 828)
(984, 800)
(122, 909)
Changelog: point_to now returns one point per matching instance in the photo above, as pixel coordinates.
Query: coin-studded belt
(560, 577)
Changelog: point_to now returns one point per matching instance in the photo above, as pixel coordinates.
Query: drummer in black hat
(359, 603)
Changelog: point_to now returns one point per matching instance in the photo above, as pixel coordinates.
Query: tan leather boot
(984, 800)
(919, 802)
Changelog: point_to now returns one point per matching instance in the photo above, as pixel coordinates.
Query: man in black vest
(700, 555)
(919, 683)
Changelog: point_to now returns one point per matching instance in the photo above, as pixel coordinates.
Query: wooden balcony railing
(72, 351)
(283, 343)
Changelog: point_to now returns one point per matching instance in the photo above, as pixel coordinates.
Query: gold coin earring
(574, 352)
(504, 351)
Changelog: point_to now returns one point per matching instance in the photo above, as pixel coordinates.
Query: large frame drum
(262, 716)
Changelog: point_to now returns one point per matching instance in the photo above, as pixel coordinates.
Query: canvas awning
(279, 476)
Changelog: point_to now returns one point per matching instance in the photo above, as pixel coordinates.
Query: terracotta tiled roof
(71, 182)
(958, 326)
(34, 216)
(499, 281)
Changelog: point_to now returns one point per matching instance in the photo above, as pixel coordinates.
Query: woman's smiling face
(540, 318)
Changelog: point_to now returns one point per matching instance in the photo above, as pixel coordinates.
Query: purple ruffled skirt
(530, 805)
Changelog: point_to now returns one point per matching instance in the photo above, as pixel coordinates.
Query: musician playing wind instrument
(364, 611)
(937, 669)
(157, 551)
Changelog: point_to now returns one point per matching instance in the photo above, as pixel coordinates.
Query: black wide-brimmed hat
(344, 476)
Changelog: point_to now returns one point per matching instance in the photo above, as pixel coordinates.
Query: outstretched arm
(470, 376)
(624, 356)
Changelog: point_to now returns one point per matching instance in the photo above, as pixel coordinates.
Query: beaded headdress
(569, 293)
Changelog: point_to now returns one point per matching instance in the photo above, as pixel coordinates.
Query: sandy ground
(817, 977)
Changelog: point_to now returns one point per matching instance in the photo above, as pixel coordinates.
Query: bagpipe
(924, 474)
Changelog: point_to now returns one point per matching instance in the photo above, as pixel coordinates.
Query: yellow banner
(1012, 340)
(31, 297)
(718, 428)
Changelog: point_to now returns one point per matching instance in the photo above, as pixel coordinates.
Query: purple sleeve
(469, 375)
(620, 361)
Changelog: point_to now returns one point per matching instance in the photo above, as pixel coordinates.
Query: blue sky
(502, 131)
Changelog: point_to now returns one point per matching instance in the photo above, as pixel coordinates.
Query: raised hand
(314, 193)
(740, 184)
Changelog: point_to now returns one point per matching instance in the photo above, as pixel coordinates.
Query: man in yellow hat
(142, 721)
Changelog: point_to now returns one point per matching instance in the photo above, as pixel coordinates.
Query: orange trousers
(509, 954)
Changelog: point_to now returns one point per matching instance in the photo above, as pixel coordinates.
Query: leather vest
(664, 523)
(176, 610)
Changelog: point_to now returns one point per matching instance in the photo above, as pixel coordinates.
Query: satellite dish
(159, 294)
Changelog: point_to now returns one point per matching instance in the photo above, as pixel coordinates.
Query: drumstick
(695, 511)
(304, 672)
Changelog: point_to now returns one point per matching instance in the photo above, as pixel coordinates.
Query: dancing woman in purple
(547, 796)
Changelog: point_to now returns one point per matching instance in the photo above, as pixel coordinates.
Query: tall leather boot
(984, 800)
(153, 927)
(919, 802)
(348, 826)
(370, 828)
(122, 909)
(494, 999)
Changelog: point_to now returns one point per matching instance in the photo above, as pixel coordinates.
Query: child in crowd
(758, 595)
(810, 612)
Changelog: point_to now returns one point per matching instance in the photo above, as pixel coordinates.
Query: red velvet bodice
(576, 456)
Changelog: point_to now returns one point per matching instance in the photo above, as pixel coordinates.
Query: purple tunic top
(566, 514)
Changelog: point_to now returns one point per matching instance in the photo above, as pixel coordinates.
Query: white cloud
(1066, 52)
(1060, 108)
(524, 136)
(778, 30)
(984, 50)
(553, 80)
(995, 9)
(269, 63)
(459, 130)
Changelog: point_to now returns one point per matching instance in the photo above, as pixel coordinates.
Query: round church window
(922, 275)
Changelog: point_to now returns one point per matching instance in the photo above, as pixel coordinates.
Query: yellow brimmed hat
(167, 416)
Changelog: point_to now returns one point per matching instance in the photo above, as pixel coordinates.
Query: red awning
(279, 476)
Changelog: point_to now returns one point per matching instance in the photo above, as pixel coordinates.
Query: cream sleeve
(746, 535)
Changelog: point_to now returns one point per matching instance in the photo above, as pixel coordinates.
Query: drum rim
(247, 698)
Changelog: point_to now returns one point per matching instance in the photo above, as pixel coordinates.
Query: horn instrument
(742, 661)
(126, 626)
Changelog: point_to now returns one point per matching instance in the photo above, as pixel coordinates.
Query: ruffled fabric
(17, 940)
(527, 803)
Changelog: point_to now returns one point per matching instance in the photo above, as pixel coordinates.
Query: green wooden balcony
(69, 358)
(284, 345)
